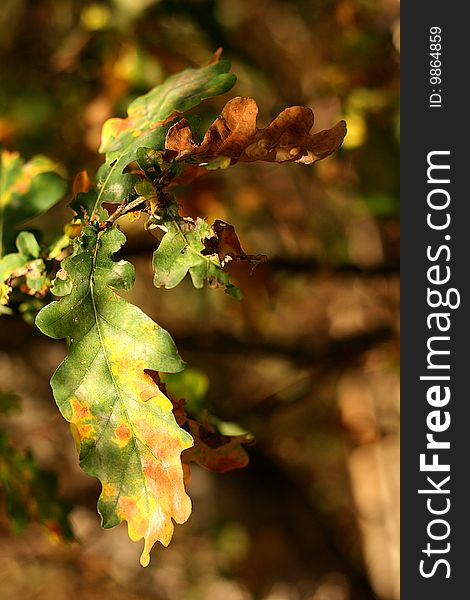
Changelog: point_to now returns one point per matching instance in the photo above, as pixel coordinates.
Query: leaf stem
(123, 209)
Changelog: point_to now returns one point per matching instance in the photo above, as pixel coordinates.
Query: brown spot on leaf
(85, 431)
(123, 432)
(62, 274)
(169, 119)
(128, 510)
(79, 411)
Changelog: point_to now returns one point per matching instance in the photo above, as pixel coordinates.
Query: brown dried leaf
(234, 134)
(212, 450)
(216, 452)
(226, 245)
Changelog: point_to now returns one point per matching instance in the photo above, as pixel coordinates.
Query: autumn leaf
(26, 190)
(214, 451)
(225, 243)
(234, 137)
(146, 125)
(177, 94)
(128, 433)
(182, 250)
(123, 423)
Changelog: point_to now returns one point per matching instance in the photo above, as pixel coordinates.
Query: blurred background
(307, 362)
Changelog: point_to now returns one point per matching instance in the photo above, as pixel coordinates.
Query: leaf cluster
(129, 433)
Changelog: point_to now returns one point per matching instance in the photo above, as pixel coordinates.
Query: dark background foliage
(307, 362)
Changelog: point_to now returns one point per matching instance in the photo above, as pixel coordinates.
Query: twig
(123, 209)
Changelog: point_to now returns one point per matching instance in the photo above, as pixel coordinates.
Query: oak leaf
(234, 135)
(182, 250)
(225, 243)
(124, 425)
(26, 262)
(214, 451)
(27, 189)
(148, 119)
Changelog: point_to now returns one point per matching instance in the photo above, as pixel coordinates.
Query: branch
(123, 209)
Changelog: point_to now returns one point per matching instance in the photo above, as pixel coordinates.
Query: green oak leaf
(181, 252)
(177, 94)
(122, 422)
(150, 161)
(85, 204)
(149, 118)
(26, 262)
(26, 190)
